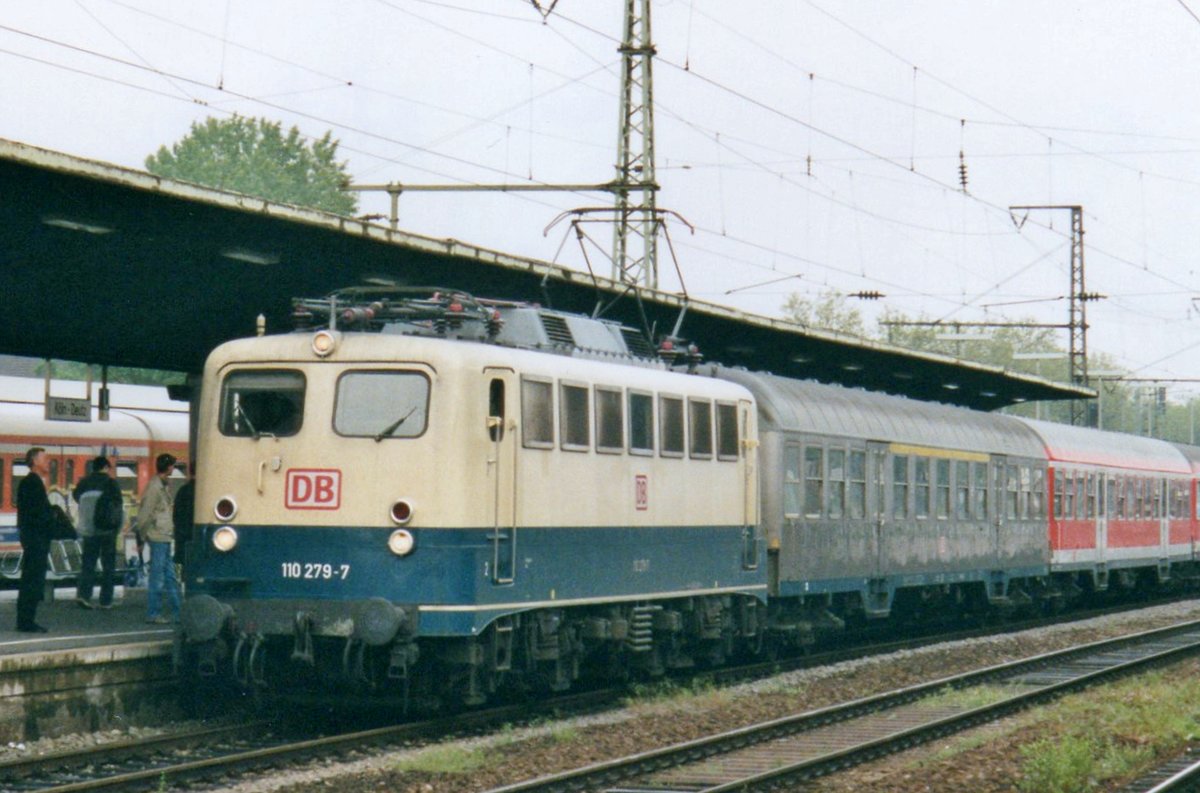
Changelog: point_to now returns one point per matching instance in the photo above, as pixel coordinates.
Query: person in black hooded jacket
(101, 514)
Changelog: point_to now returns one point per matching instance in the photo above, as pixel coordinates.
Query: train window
(980, 485)
(1026, 486)
(70, 480)
(1139, 498)
(1012, 494)
(127, 476)
(496, 409)
(1037, 496)
(257, 402)
(791, 480)
(700, 428)
(962, 490)
(670, 417)
(814, 482)
(727, 431)
(1068, 494)
(835, 489)
(900, 486)
(1091, 496)
(537, 413)
(921, 490)
(53, 473)
(641, 423)
(1058, 493)
(574, 423)
(856, 493)
(378, 405)
(610, 421)
(942, 502)
(1, 481)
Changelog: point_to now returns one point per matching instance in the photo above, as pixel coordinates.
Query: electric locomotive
(428, 498)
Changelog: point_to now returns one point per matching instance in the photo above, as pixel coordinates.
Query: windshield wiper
(238, 410)
(395, 425)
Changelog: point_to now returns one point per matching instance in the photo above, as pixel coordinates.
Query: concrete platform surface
(72, 627)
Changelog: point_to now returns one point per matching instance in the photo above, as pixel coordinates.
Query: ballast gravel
(512, 755)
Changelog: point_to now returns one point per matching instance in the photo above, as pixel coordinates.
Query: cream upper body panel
(445, 461)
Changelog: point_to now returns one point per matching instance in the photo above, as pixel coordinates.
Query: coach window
(19, 470)
(609, 421)
(1026, 485)
(727, 431)
(127, 476)
(814, 482)
(1012, 494)
(258, 402)
(1091, 496)
(1059, 481)
(856, 492)
(70, 480)
(700, 428)
(670, 417)
(792, 481)
(573, 416)
(921, 487)
(1, 481)
(641, 423)
(943, 489)
(900, 486)
(1037, 504)
(53, 473)
(835, 489)
(962, 490)
(537, 413)
(979, 484)
(1139, 499)
(381, 404)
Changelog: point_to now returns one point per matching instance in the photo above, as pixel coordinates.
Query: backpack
(109, 513)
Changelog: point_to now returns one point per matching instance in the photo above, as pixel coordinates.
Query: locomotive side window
(374, 404)
(792, 481)
(670, 416)
(727, 431)
(573, 406)
(856, 494)
(609, 421)
(537, 413)
(900, 486)
(641, 423)
(814, 483)
(262, 402)
(700, 428)
(496, 409)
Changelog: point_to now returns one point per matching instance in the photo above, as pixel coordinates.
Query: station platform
(73, 628)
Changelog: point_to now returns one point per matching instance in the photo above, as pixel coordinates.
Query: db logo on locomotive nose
(313, 488)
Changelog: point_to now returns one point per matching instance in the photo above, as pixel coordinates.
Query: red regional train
(143, 422)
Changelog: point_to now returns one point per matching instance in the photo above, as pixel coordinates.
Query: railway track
(820, 742)
(1176, 776)
(213, 752)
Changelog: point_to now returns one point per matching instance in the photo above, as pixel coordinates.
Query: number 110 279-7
(315, 571)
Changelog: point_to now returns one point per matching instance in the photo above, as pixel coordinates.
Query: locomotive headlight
(401, 542)
(225, 509)
(225, 539)
(324, 342)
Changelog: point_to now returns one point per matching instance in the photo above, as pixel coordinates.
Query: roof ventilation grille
(557, 330)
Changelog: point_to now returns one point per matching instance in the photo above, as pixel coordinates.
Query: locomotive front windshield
(373, 404)
(258, 402)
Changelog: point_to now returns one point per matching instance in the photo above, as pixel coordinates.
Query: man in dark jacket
(101, 514)
(36, 524)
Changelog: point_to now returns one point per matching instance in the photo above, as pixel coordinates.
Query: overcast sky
(814, 146)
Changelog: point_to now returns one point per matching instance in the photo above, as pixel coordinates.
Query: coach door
(1000, 507)
(877, 503)
(501, 429)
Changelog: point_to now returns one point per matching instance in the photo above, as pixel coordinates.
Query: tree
(255, 157)
(828, 312)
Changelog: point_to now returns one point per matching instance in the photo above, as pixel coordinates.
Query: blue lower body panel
(463, 579)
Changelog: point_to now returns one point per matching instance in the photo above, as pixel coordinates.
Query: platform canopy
(108, 265)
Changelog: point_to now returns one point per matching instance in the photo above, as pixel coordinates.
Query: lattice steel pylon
(635, 231)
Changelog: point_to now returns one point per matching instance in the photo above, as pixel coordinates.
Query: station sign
(68, 409)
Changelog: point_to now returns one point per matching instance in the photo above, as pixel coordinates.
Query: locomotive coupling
(203, 617)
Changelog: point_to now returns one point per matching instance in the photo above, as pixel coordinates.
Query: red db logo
(313, 488)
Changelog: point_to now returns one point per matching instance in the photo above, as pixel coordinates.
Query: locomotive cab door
(501, 429)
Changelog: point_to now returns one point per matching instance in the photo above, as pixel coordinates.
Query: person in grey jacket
(155, 527)
(101, 515)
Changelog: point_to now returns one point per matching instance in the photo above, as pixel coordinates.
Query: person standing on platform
(101, 515)
(155, 527)
(36, 524)
(184, 515)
